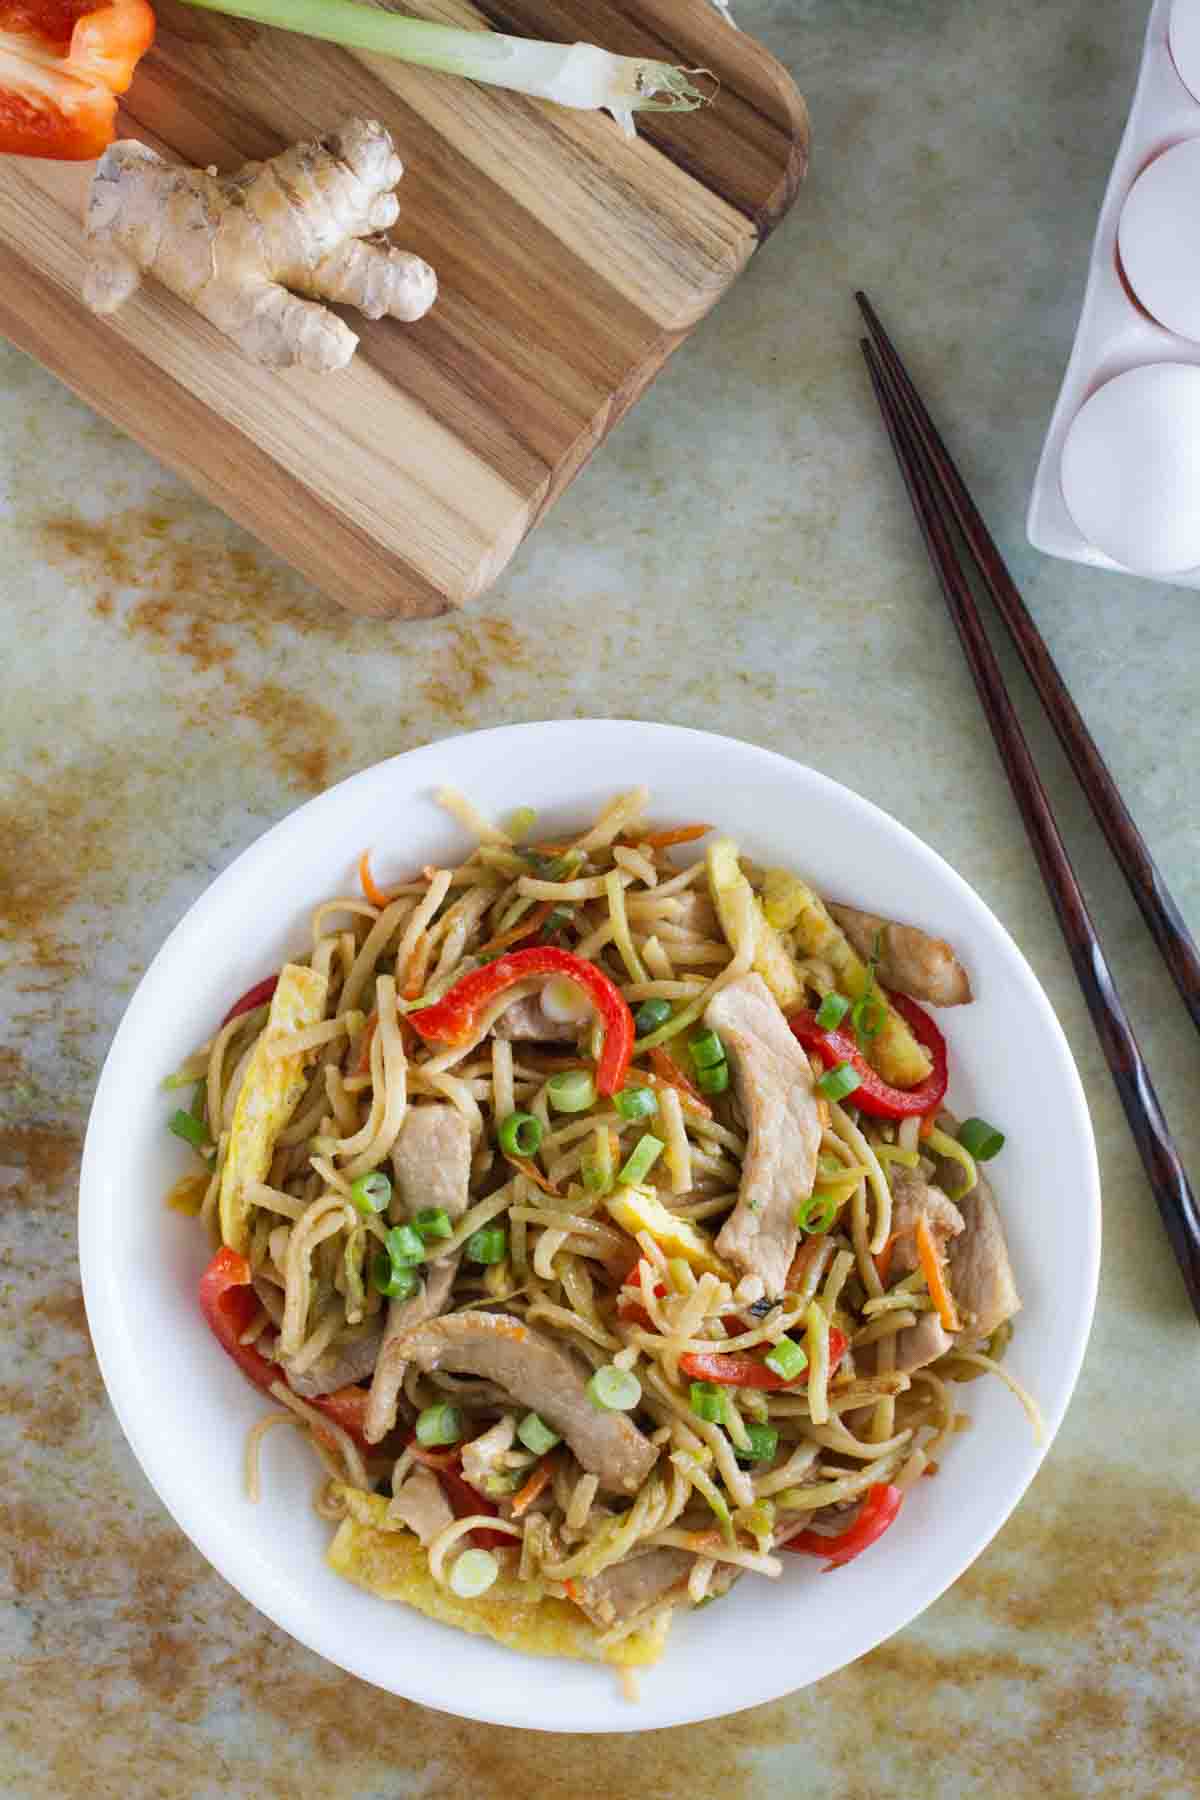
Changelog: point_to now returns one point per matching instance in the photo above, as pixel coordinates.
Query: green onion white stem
(579, 75)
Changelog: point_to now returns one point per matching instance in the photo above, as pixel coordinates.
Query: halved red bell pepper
(454, 1018)
(745, 1368)
(874, 1095)
(258, 995)
(877, 1512)
(62, 64)
(228, 1303)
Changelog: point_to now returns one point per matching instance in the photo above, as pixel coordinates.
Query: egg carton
(1115, 333)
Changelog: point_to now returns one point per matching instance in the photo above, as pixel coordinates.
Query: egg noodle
(811, 1430)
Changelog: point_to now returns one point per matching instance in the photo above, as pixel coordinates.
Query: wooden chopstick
(1163, 917)
(1172, 1191)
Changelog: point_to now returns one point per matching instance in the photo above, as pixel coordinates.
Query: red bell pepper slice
(228, 1303)
(874, 1095)
(62, 64)
(743, 1368)
(877, 1512)
(629, 1300)
(258, 995)
(454, 1018)
(464, 1501)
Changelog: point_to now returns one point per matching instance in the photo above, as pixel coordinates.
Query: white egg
(1184, 37)
(1130, 469)
(1159, 238)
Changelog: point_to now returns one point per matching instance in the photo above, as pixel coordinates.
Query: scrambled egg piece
(771, 959)
(393, 1565)
(638, 1210)
(270, 1090)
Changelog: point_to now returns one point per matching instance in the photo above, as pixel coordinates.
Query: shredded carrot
(668, 1072)
(418, 967)
(374, 894)
(525, 1496)
(523, 929)
(363, 1064)
(927, 1124)
(794, 1279)
(572, 1591)
(663, 840)
(535, 1175)
(883, 1260)
(935, 1279)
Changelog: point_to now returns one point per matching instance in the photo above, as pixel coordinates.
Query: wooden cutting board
(571, 263)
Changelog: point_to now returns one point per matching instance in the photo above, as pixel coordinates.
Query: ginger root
(233, 245)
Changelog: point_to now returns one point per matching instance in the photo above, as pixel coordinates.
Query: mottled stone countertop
(739, 556)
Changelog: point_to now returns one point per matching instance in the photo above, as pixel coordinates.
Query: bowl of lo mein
(553, 1206)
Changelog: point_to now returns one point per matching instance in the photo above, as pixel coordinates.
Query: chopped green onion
(596, 1164)
(473, 1573)
(650, 1015)
(707, 1401)
(557, 921)
(536, 1435)
(192, 1130)
(520, 823)
(868, 1017)
(441, 1424)
(520, 1134)
(571, 1092)
(786, 1358)
(839, 1081)
(817, 1213)
(371, 1193)
(764, 1443)
(714, 1080)
(580, 75)
(397, 1280)
(636, 1102)
(499, 1485)
(979, 1139)
(433, 1222)
(832, 1011)
(405, 1245)
(641, 1160)
(613, 1389)
(707, 1050)
(487, 1245)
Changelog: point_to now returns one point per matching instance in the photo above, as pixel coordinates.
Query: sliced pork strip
(422, 1506)
(541, 1376)
(774, 1087)
(980, 1273)
(910, 961)
(914, 1198)
(525, 1021)
(431, 1159)
(921, 1343)
(630, 1587)
(339, 1367)
(633, 1587)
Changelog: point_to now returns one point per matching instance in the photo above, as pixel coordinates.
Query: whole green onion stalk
(580, 75)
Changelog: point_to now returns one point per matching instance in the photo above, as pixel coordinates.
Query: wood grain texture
(571, 264)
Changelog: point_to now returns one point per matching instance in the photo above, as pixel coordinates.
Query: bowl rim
(169, 1484)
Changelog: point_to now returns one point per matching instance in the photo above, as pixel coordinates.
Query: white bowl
(185, 1407)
